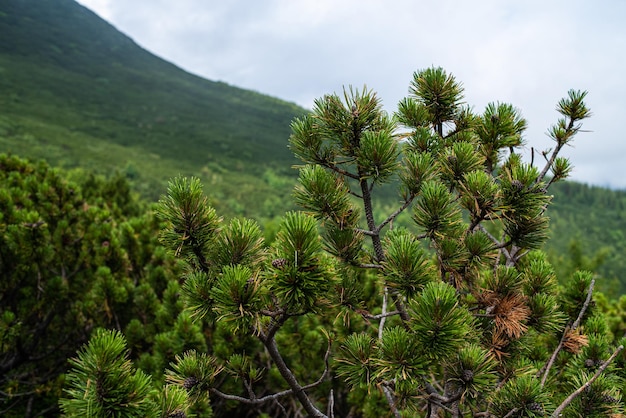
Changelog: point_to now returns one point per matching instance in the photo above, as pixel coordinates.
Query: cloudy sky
(527, 53)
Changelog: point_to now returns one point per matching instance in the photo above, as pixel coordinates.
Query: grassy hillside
(77, 92)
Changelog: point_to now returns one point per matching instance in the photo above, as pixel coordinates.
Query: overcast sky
(527, 53)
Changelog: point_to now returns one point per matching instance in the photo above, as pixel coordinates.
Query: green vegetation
(78, 93)
(73, 256)
(460, 314)
(413, 284)
(587, 227)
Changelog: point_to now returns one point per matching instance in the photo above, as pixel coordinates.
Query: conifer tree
(443, 306)
(76, 255)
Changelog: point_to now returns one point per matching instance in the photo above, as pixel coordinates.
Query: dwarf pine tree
(444, 306)
(76, 255)
(62, 270)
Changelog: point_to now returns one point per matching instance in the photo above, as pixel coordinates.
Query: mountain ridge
(72, 81)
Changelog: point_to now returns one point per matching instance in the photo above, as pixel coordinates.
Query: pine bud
(589, 363)
(518, 185)
(190, 382)
(467, 375)
(177, 414)
(535, 407)
(279, 263)
(608, 399)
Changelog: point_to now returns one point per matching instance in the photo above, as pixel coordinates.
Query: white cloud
(526, 53)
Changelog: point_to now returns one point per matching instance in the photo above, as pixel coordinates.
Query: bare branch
(370, 266)
(391, 401)
(396, 213)
(571, 397)
(576, 324)
(384, 313)
(331, 405)
(381, 315)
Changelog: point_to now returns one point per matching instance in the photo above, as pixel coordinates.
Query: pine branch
(570, 130)
(571, 397)
(366, 232)
(376, 241)
(340, 170)
(497, 243)
(253, 400)
(391, 401)
(272, 314)
(370, 266)
(381, 315)
(290, 378)
(576, 324)
(511, 412)
(395, 214)
(433, 397)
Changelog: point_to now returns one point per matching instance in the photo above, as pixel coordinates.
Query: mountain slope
(79, 93)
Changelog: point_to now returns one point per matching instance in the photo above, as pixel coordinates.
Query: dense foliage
(428, 302)
(74, 255)
(344, 315)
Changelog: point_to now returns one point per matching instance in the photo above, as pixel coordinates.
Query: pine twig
(391, 401)
(573, 327)
(370, 266)
(394, 215)
(511, 412)
(573, 395)
(384, 313)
